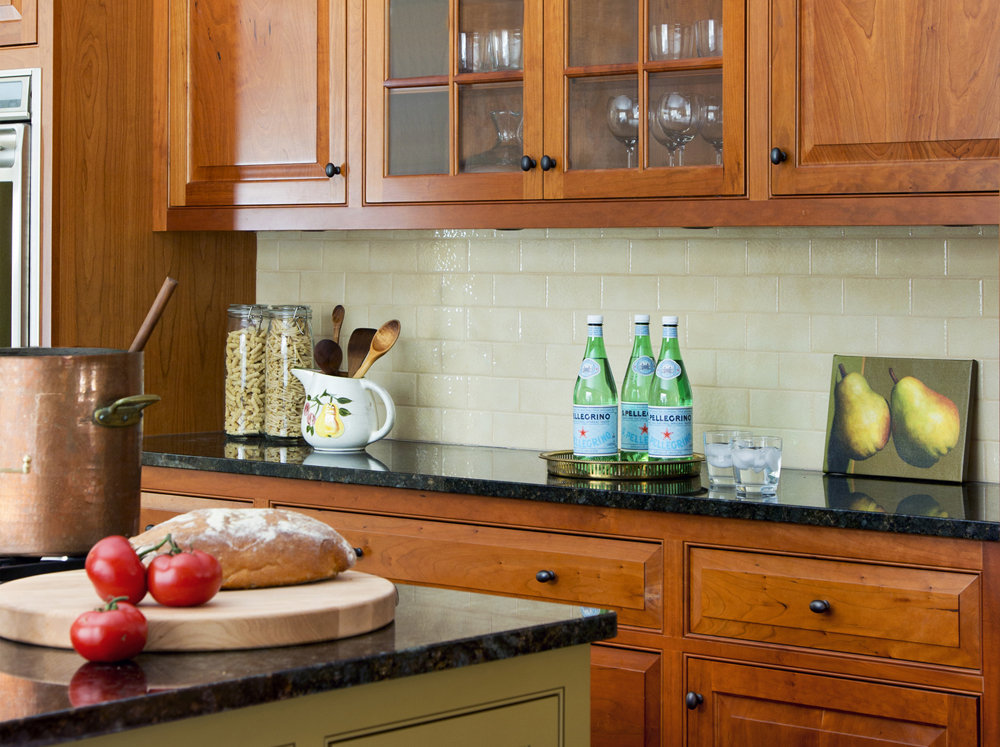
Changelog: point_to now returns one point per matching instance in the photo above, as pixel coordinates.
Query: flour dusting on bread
(258, 547)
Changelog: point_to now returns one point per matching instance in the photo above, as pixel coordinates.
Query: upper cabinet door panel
(258, 88)
(887, 96)
(18, 22)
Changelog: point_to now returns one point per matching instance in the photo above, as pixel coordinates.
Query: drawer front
(900, 613)
(624, 575)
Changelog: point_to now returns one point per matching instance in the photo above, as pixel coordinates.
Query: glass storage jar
(289, 345)
(244, 389)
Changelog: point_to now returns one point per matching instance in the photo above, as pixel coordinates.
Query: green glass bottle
(670, 417)
(635, 394)
(595, 400)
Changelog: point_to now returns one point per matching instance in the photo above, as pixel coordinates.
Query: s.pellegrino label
(670, 414)
(670, 432)
(595, 400)
(595, 430)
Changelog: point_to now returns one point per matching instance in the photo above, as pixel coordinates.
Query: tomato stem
(112, 604)
(174, 547)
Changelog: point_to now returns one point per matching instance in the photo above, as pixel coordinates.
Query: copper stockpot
(71, 449)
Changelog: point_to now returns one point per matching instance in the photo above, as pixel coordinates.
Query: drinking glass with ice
(718, 457)
(756, 463)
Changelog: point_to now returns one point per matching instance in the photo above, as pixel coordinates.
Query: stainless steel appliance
(21, 271)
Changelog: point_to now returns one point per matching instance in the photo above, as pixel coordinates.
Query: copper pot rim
(62, 352)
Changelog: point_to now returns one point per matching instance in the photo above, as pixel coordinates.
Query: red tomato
(186, 579)
(115, 633)
(115, 570)
(99, 682)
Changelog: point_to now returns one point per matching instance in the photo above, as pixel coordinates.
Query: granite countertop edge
(202, 700)
(692, 505)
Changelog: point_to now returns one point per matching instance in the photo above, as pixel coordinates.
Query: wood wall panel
(108, 264)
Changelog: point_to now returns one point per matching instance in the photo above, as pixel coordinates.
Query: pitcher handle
(390, 409)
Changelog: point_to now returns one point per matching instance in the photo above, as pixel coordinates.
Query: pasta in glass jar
(244, 389)
(289, 345)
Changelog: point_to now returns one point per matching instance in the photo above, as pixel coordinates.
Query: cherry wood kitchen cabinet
(890, 96)
(18, 22)
(96, 180)
(731, 632)
(256, 97)
(732, 705)
(570, 113)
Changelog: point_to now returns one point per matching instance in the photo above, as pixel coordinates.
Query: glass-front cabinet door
(524, 99)
(454, 99)
(644, 99)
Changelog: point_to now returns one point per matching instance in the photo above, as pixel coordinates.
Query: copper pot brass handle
(125, 411)
(24, 469)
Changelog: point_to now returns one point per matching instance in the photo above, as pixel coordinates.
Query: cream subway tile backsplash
(493, 321)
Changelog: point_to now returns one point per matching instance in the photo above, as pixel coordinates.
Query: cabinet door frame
(453, 186)
(955, 714)
(276, 183)
(18, 22)
(893, 167)
(685, 181)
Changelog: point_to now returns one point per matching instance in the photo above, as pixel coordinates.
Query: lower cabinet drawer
(158, 507)
(624, 575)
(901, 613)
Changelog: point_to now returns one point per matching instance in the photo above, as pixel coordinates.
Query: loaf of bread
(257, 547)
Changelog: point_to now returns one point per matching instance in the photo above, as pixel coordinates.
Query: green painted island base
(541, 700)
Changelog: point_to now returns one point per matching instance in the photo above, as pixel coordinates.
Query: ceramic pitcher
(339, 414)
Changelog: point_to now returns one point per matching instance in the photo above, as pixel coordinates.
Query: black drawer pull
(778, 155)
(693, 700)
(359, 552)
(543, 577)
(332, 170)
(548, 163)
(527, 163)
(819, 606)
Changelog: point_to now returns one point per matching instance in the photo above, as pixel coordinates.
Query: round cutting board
(41, 609)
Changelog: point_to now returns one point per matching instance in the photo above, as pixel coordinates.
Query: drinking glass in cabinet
(473, 52)
(593, 142)
(505, 49)
(623, 121)
(711, 124)
(679, 116)
(708, 37)
(671, 41)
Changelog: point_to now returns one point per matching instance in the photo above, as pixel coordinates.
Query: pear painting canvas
(899, 417)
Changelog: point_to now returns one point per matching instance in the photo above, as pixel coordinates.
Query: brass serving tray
(562, 464)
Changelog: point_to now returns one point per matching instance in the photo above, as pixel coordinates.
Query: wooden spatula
(358, 347)
(382, 342)
(338, 320)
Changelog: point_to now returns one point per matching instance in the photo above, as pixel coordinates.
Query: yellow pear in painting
(860, 418)
(925, 424)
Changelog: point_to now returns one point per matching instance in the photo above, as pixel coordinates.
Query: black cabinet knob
(527, 163)
(548, 163)
(149, 526)
(543, 577)
(778, 155)
(359, 552)
(332, 170)
(693, 700)
(819, 606)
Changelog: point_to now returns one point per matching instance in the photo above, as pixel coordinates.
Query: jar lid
(247, 310)
(288, 311)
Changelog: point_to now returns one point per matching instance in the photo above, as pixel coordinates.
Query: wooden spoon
(338, 320)
(153, 315)
(382, 342)
(328, 356)
(358, 347)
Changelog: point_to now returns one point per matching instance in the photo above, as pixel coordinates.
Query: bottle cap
(595, 319)
(642, 318)
(670, 321)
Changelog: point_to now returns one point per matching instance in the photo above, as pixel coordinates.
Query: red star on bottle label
(583, 433)
(667, 434)
(644, 430)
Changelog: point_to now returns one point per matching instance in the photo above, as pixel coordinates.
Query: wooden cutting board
(41, 609)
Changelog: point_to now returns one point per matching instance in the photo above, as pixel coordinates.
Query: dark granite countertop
(44, 699)
(969, 510)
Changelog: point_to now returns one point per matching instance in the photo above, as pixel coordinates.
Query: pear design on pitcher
(925, 424)
(328, 421)
(860, 418)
